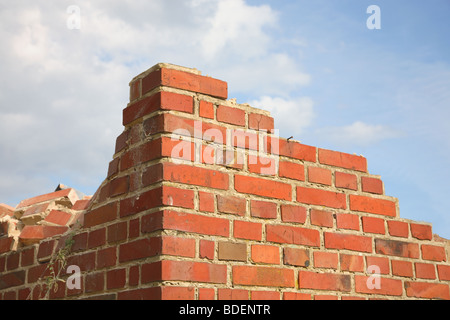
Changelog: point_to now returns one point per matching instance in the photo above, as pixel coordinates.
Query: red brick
(319, 175)
(244, 139)
(260, 122)
(227, 158)
(263, 209)
(421, 231)
(373, 205)
(231, 115)
(139, 249)
(113, 167)
(232, 251)
(135, 90)
(119, 186)
(10, 295)
(293, 235)
(352, 263)
(5, 244)
(65, 193)
(324, 281)
(232, 205)
(185, 81)
(145, 201)
(262, 187)
(206, 201)
(176, 197)
(106, 258)
(101, 215)
(97, 238)
(397, 248)
(402, 268)
(296, 214)
(6, 210)
(425, 270)
(372, 185)
(347, 221)
(168, 270)
(27, 258)
(398, 228)
(94, 282)
(81, 205)
(325, 259)
(444, 272)
(206, 109)
(58, 217)
(206, 294)
(23, 294)
(247, 230)
(373, 225)
(290, 149)
(152, 175)
(263, 276)
(159, 101)
(177, 148)
(195, 176)
(33, 234)
(177, 293)
(116, 279)
(380, 262)
(85, 261)
(12, 261)
(296, 257)
(207, 249)
(345, 180)
(321, 218)
(145, 152)
(134, 276)
(185, 222)
(291, 170)
(232, 294)
(262, 165)
(427, 290)
(133, 228)
(45, 249)
(321, 197)
(296, 296)
(433, 253)
(343, 160)
(265, 295)
(325, 297)
(176, 246)
(391, 287)
(153, 293)
(2, 263)
(347, 242)
(117, 232)
(265, 254)
(79, 242)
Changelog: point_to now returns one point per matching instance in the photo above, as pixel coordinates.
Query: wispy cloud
(358, 134)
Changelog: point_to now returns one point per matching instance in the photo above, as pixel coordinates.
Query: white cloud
(358, 134)
(239, 26)
(291, 116)
(62, 91)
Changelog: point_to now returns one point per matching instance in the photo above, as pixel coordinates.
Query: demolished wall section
(203, 200)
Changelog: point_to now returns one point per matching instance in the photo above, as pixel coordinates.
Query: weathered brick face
(203, 201)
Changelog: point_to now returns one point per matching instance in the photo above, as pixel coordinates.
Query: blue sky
(327, 79)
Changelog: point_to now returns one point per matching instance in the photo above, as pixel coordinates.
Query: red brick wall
(181, 217)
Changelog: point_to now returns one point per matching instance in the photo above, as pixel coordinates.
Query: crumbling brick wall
(203, 200)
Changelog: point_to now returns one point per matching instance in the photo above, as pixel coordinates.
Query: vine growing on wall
(56, 265)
